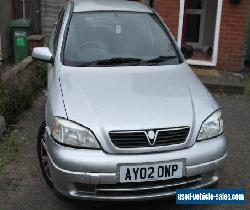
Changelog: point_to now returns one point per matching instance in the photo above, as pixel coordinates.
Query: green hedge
(16, 97)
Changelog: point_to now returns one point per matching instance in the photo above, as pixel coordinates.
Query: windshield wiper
(117, 61)
(120, 60)
(158, 59)
(112, 61)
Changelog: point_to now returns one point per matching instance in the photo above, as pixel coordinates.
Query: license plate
(151, 172)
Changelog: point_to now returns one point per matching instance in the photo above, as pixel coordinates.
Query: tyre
(42, 155)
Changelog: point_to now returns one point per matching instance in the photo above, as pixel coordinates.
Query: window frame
(58, 30)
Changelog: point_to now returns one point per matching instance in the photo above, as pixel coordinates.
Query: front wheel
(43, 155)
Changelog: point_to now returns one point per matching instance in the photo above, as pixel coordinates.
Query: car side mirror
(187, 51)
(42, 54)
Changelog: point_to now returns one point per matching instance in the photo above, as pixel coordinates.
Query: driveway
(22, 185)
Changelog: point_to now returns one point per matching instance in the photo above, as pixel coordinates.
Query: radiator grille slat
(147, 187)
(137, 139)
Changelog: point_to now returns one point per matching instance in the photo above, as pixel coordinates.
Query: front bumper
(94, 175)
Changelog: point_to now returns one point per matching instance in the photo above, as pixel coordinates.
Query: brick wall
(248, 37)
(169, 11)
(232, 34)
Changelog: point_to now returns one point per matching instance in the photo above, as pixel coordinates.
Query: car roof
(109, 5)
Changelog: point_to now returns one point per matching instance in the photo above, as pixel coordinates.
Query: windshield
(118, 38)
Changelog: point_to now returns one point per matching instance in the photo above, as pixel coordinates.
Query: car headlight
(72, 134)
(211, 127)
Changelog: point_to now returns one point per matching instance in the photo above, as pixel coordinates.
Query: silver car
(126, 118)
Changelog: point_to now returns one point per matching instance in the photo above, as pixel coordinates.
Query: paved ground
(22, 186)
(219, 81)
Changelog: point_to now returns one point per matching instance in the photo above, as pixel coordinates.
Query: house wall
(50, 10)
(232, 31)
(5, 17)
(232, 36)
(169, 11)
(247, 37)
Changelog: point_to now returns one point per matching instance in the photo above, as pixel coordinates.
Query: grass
(8, 149)
(247, 84)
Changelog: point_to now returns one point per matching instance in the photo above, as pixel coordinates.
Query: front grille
(138, 189)
(137, 139)
(133, 189)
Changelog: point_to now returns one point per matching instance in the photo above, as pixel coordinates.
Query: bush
(41, 75)
(16, 97)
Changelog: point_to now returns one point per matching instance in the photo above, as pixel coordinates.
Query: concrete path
(221, 82)
(22, 185)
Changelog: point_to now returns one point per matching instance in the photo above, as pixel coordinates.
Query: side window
(58, 30)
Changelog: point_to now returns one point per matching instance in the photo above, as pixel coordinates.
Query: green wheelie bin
(21, 29)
